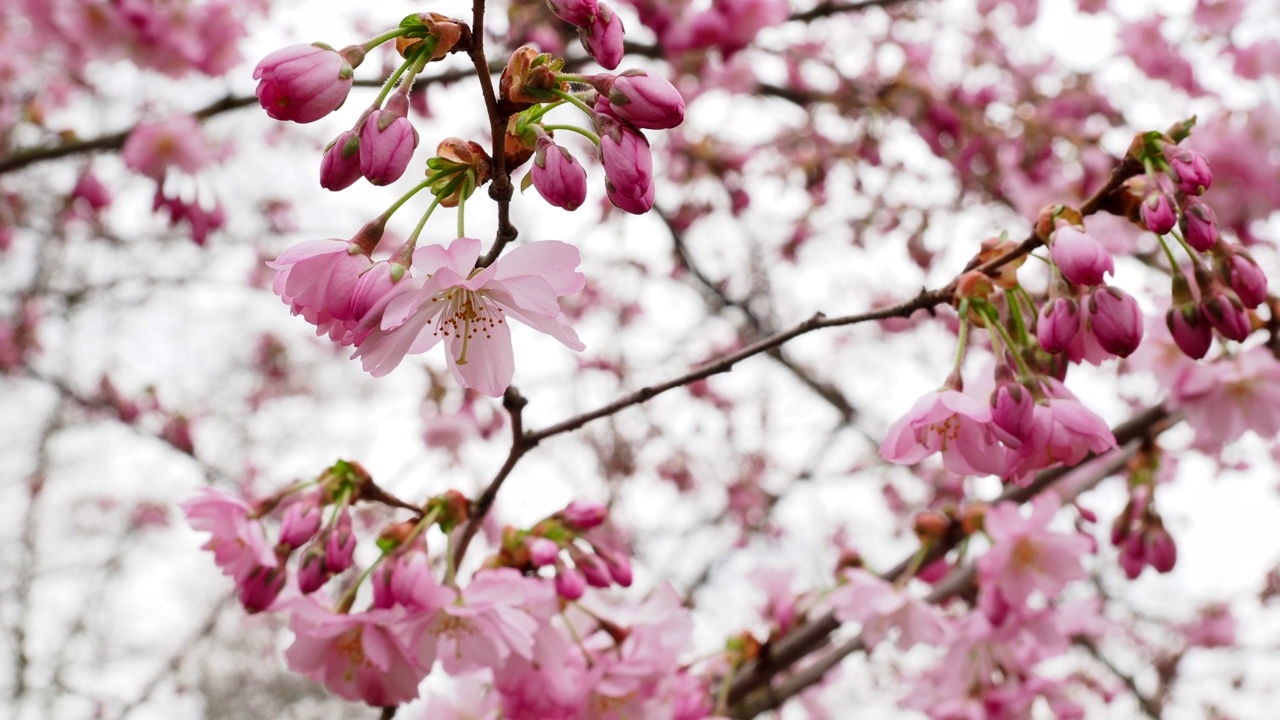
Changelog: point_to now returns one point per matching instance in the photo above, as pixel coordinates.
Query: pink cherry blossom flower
(879, 607)
(317, 278)
(1012, 413)
(729, 25)
(636, 679)
(237, 540)
(552, 684)
(1226, 399)
(452, 300)
(1025, 555)
(1063, 431)
(484, 624)
(153, 148)
(951, 423)
(359, 657)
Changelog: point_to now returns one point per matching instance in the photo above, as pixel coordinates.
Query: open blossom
(484, 624)
(951, 423)
(1063, 431)
(236, 539)
(1025, 555)
(317, 278)
(452, 301)
(879, 607)
(302, 83)
(152, 148)
(1223, 400)
(362, 656)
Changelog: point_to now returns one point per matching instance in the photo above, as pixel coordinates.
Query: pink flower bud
(1080, 257)
(584, 514)
(1115, 320)
(1133, 556)
(340, 544)
(569, 583)
(1242, 273)
(1190, 329)
(90, 189)
(619, 568)
(542, 552)
(260, 587)
(302, 83)
(1161, 551)
(1058, 324)
(602, 39)
(340, 165)
(1158, 213)
(575, 12)
(1012, 412)
(628, 165)
(646, 101)
(1199, 225)
(387, 142)
(593, 569)
(1189, 169)
(1227, 314)
(558, 177)
(301, 522)
(312, 574)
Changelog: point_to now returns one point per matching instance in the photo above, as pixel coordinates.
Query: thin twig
(514, 403)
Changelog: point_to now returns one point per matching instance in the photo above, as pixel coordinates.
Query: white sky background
(190, 338)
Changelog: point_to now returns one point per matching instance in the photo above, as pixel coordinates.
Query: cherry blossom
(469, 307)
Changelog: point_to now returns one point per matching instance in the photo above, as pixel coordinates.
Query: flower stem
(391, 34)
(573, 128)
(964, 337)
(581, 105)
(462, 208)
(1173, 262)
(413, 237)
(386, 215)
(349, 597)
(1017, 356)
(390, 84)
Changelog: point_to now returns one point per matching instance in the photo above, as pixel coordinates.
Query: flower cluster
(618, 108)
(505, 622)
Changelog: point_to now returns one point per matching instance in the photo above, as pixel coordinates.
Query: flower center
(1025, 555)
(351, 648)
(453, 627)
(947, 430)
(466, 313)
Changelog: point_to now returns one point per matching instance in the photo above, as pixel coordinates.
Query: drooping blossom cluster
(508, 622)
(419, 296)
